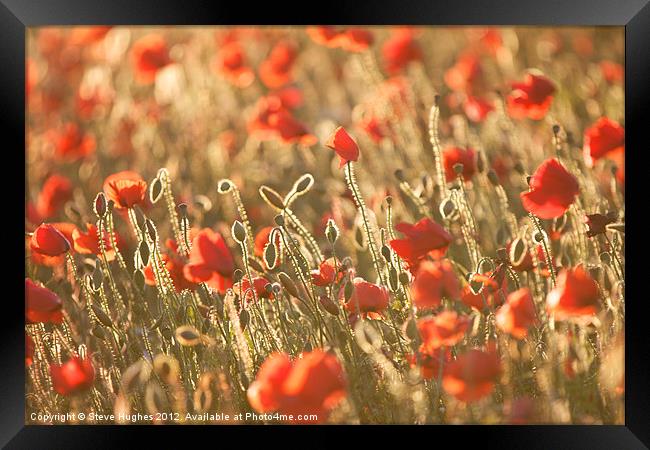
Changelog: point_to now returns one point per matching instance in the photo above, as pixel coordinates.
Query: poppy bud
(237, 275)
(255, 265)
(393, 279)
(605, 258)
(279, 220)
(385, 252)
(389, 200)
(110, 205)
(151, 230)
(288, 284)
(97, 278)
(348, 291)
(447, 208)
(270, 255)
(155, 190)
(458, 168)
(399, 174)
(539, 237)
(492, 176)
(271, 197)
(328, 305)
(238, 232)
(331, 231)
(303, 184)
(519, 167)
(102, 316)
(480, 163)
(188, 336)
(138, 279)
(556, 130)
(244, 318)
(99, 205)
(144, 253)
(224, 186)
(182, 209)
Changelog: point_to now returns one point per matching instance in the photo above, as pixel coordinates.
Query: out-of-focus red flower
(174, 264)
(552, 190)
(433, 281)
(276, 70)
(400, 49)
(375, 129)
(477, 109)
(230, 62)
(90, 99)
(517, 313)
(88, 243)
(344, 146)
(56, 191)
(472, 376)
(367, 298)
(596, 223)
(271, 120)
(41, 304)
(326, 273)
(575, 295)
(425, 237)
(464, 74)
(121, 142)
(31, 76)
(522, 411)
(149, 54)
(455, 155)
(71, 143)
(29, 350)
(494, 286)
(491, 40)
(531, 98)
(126, 189)
(349, 39)
(612, 72)
(312, 384)
(259, 285)
(603, 138)
(74, 376)
(430, 361)
(445, 329)
(42, 259)
(49, 241)
(210, 261)
(87, 35)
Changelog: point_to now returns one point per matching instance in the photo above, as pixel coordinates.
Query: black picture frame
(634, 15)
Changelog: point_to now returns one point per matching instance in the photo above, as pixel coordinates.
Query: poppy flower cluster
(313, 384)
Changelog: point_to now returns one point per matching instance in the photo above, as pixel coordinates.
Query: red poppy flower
(276, 69)
(425, 237)
(148, 55)
(612, 72)
(531, 98)
(29, 350)
(344, 146)
(41, 304)
(472, 376)
(53, 261)
(603, 138)
(477, 109)
(125, 188)
(174, 264)
(71, 143)
(326, 272)
(399, 50)
(271, 120)
(210, 261)
(375, 129)
(312, 384)
(262, 238)
(517, 314)
(433, 281)
(367, 298)
(88, 243)
(552, 190)
(350, 39)
(493, 288)
(575, 295)
(74, 376)
(56, 191)
(464, 74)
(49, 241)
(597, 223)
(429, 361)
(230, 62)
(259, 284)
(445, 329)
(455, 155)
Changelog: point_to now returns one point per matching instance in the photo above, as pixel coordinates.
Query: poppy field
(330, 225)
